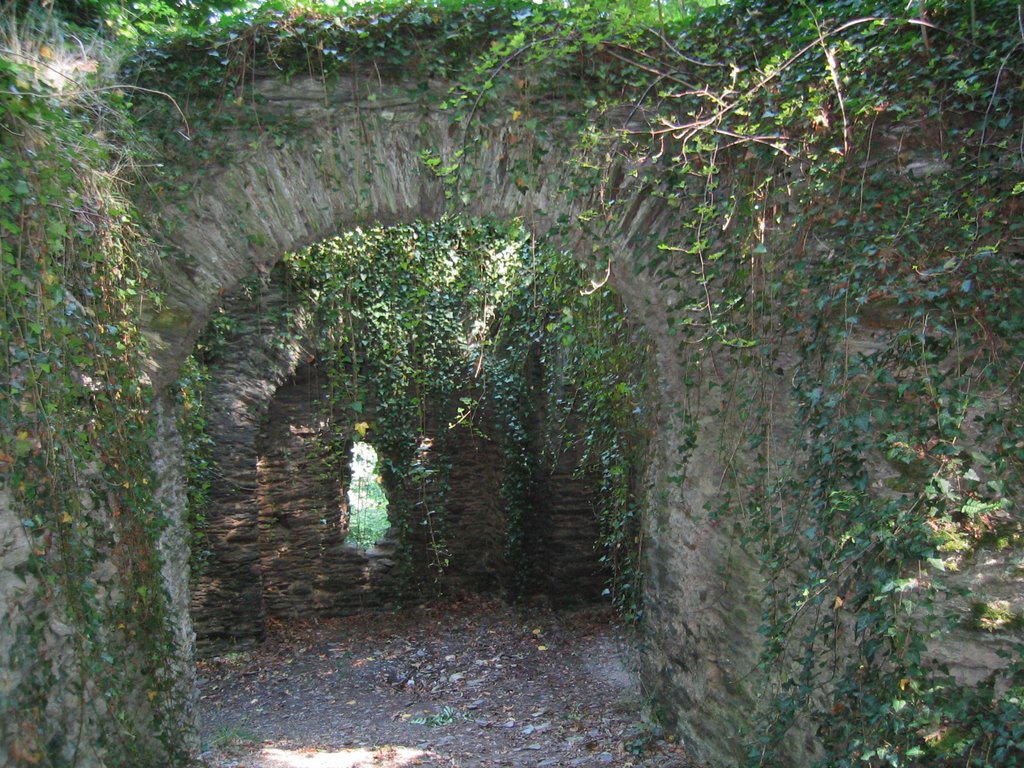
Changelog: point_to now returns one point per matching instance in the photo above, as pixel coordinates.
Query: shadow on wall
(320, 529)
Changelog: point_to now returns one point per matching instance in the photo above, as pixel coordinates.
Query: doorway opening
(336, 370)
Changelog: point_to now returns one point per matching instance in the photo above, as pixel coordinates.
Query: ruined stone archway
(275, 537)
(357, 159)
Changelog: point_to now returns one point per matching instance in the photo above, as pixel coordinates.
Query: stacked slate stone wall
(277, 524)
(251, 363)
(307, 568)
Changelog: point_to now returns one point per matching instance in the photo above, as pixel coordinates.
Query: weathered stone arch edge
(276, 199)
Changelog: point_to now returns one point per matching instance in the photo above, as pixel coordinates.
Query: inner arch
(504, 394)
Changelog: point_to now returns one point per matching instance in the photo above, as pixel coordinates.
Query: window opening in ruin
(367, 504)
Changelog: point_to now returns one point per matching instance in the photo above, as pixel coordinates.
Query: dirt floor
(476, 685)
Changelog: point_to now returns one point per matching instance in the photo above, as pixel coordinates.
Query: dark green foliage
(220, 58)
(594, 379)
(392, 308)
(129, 20)
(75, 444)
(847, 180)
(460, 325)
(863, 162)
(200, 469)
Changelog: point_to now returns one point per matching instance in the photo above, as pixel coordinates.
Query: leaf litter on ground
(474, 684)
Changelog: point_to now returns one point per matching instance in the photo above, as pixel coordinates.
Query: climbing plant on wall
(437, 327)
(847, 180)
(590, 362)
(879, 264)
(197, 445)
(392, 308)
(75, 459)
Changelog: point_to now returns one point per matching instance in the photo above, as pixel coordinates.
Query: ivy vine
(848, 195)
(432, 328)
(847, 177)
(75, 452)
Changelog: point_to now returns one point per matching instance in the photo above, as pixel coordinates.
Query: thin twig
(494, 73)
(684, 57)
(770, 140)
(995, 93)
(833, 70)
(694, 127)
(865, 165)
(648, 68)
(643, 97)
(598, 285)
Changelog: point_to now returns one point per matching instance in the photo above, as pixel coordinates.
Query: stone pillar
(174, 543)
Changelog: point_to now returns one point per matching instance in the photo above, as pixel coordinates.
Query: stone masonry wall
(276, 529)
(227, 600)
(357, 160)
(307, 568)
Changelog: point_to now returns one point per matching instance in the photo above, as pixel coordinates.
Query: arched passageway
(832, 298)
(503, 393)
(355, 158)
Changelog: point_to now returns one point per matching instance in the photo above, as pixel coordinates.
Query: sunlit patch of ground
(385, 757)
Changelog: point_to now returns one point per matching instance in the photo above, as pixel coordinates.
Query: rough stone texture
(48, 666)
(16, 589)
(563, 548)
(227, 602)
(475, 521)
(358, 161)
(355, 162)
(307, 568)
(563, 531)
(702, 605)
(558, 559)
(992, 577)
(278, 515)
(168, 463)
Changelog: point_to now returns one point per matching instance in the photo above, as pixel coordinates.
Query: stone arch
(357, 160)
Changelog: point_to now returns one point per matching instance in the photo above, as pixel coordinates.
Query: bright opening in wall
(367, 504)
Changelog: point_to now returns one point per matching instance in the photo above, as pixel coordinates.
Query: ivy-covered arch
(333, 164)
(302, 160)
(815, 210)
(808, 456)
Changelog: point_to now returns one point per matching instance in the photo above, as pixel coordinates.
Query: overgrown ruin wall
(227, 602)
(357, 160)
(303, 158)
(275, 537)
(307, 568)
